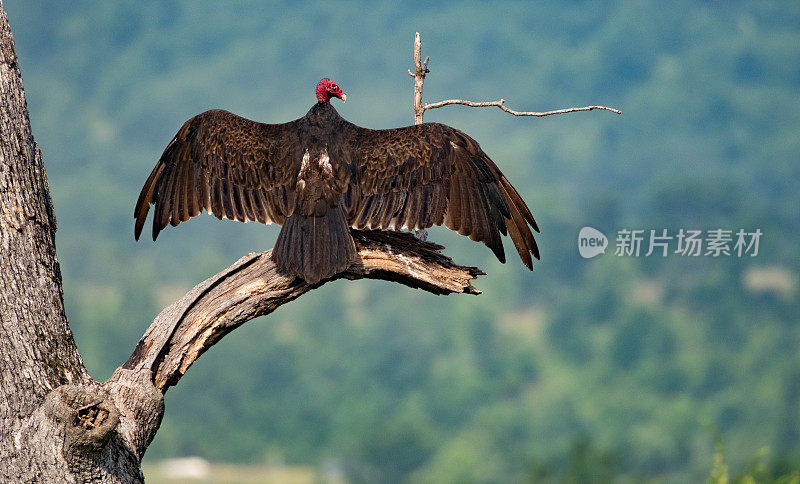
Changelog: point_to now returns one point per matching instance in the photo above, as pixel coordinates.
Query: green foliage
(582, 370)
(757, 470)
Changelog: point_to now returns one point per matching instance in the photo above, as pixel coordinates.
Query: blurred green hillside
(582, 370)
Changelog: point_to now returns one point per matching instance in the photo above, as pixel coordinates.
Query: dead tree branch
(421, 69)
(501, 104)
(252, 287)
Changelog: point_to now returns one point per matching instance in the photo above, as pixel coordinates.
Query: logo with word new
(591, 242)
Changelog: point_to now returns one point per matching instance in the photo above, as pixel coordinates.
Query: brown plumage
(319, 175)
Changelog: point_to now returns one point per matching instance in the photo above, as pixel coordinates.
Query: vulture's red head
(326, 89)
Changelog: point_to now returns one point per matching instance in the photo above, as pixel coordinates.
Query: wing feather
(426, 201)
(260, 211)
(225, 164)
(453, 216)
(194, 193)
(386, 213)
(414, 177)
(480, 227)
(227, 200)
(182, 195)
(442, 177)
(216, 199)
(205, 191)
(166, 189)
(236, 196)
(142, 205)
(464, 209)
(247, 203)
(273, 206)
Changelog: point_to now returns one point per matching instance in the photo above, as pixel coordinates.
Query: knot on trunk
(86, 415)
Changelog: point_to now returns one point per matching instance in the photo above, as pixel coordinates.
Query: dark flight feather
(319, 175)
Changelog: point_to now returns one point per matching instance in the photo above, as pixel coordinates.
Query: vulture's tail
(314, 248)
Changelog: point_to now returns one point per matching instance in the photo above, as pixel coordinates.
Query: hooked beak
(344, 97)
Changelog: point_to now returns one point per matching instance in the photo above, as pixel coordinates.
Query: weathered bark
(30, 279)
(37, 351)
(56, 423)
(252, 287)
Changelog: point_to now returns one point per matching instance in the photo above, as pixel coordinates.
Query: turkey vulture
(320, 174)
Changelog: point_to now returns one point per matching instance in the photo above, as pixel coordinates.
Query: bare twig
(501, 104)
(421, 68)
(252, 287)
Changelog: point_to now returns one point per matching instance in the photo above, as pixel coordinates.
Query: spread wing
(228, 165)
(432, 174)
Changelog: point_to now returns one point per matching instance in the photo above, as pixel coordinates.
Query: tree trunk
(56, 421)
(57, 424)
